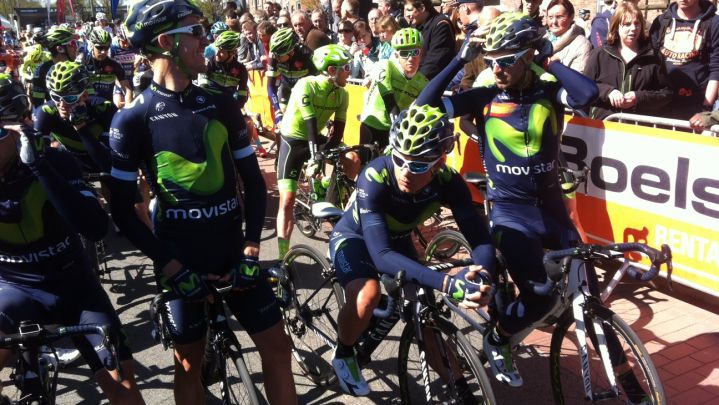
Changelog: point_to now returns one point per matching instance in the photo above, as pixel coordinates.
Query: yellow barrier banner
(653, 186)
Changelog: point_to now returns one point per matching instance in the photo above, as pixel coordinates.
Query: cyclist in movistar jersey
(520, 106)
(194, 146)
(105, 72)
(122, 53)
(395, 83)
(313, 102)
(395, 194)
(62, 46)
(224, 73)
(43, 276)
(289, 61)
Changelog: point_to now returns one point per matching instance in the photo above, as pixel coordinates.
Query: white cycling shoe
(350, 376)
(502, 364)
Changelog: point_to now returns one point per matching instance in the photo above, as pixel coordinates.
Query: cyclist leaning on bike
(313, 102)
(395, 194)
(195, 148)
(520, 106)
(45, 205)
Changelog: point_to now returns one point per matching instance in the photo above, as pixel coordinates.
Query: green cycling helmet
(67, 78)
(407, 38)
(35, 55)
(228, 41)
(14, 103)
(512, 31)
(422, 131)
(58, 37)
(99, 36)
(330, 55)
(283, 41)
(218, 28)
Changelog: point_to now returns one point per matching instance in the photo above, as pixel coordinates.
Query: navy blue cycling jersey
(103, 74)
(192, 145)
(87, 143)
(125, 57)
(521, 129)
(39, 87)
(383, 216)
(41, 211)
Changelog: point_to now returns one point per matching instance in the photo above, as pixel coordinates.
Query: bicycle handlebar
(341, 150)
(38, 336)
(393, 285)
(574, 177)
(594, 252)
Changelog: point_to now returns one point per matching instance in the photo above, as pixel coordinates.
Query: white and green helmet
(407, 38)
(422, 131)
(330, 55)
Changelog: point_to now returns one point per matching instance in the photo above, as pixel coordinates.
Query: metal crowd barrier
(660, 122)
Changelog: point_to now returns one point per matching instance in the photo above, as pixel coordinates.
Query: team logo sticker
(160, 106)
(200, 100)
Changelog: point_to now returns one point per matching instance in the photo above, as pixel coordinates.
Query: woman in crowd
(571, 47)
(387, 26)
(365, 50)
(630, 75)
(346, 34)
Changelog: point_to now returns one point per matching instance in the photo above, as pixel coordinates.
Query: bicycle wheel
(311, 317)
(301, 211)
(425, 231)
(447, 244)
(637, 378)
(236, 385)
(424, 372)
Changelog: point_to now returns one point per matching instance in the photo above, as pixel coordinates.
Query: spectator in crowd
(336, 15)
(600, 24)
(246, 16)
(319, 21)
(284, 13)
(365, 50)
(259, 15)
(531, 8)
(101, 20)
(704, 120)
(234, 25)
(583, 15)
(264, 32)
(301, 24)
(278, 8)
(436, 29)
(284, 22)
(571, 47)
(230, 15)
(251, 49)
(269, 8)
(387, 27)
(350, 10)
(388, 8)
(629, 73)
(687, 36)
(372, 18)
(346, 34)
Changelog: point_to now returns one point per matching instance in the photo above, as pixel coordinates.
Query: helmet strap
(173, 54)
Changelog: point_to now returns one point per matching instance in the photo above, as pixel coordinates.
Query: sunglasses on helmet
(196, 30)
(414, 166)
(408, 53)
(66, 98)
(504, 61)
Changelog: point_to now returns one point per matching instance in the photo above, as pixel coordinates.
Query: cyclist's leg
(358, 276)
(85, 302)
(17, 304)
(259, 314)
(292, 155)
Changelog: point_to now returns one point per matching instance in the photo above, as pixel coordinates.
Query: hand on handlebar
(472, 286)
(245, 275)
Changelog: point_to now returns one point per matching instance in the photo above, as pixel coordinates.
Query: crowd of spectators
(668, 67)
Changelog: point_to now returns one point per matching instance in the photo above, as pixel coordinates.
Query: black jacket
(438, 44)
(645, 75)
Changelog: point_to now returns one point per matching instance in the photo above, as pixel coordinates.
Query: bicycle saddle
(325, 210)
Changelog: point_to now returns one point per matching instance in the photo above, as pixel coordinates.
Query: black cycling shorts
(77, 300)
(352, 261)
(292, 155)
(214, 253)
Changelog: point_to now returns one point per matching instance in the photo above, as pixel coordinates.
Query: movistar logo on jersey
(522, 144)
(38, 256)
(204, 212)
(372, 174)
(525, 170)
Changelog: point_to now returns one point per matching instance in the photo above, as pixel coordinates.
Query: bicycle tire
(236, 384)
(446, 244)
(316, 298)
(412, 387)
(565, 367)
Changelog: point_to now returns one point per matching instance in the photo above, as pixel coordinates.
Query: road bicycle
(223, 362)
(36, 369)
(591, 346)
(312, 199)
(432, 354)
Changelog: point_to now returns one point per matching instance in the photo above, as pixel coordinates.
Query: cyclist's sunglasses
(66, 98)
(346, 67)
(415, 167)
(196, 30)
(102, 48)
(408, 53)
(504, 61)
